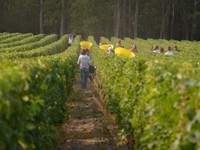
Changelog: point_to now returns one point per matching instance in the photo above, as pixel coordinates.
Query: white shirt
(157, 51)
(84, 61)
(110, 50)
(70, 41)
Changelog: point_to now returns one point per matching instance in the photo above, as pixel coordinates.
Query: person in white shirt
(110, 50)
(70, 41)
(84, 62)
(156, 49)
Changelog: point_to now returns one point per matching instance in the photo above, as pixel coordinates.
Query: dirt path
(86, 128)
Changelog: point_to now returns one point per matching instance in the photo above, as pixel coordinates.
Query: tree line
(167, 19)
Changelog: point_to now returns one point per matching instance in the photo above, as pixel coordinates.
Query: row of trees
(169, 19)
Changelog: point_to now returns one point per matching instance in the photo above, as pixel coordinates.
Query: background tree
(62, 20)
(136, 18)
(195, 15)
(168, 19)
(117, 17)
(41, 16)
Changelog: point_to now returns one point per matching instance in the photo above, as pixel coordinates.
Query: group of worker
(154, 48)
(84, 60)
(169, 51)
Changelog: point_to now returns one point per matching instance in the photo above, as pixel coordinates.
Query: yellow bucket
(124, 52)
(86, 44)
(105, 46)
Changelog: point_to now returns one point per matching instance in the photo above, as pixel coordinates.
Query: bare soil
(88, 128)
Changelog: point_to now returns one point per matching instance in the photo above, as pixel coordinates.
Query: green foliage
(16, 38)
(52, 10)
(30, 46)
(23, 41)
(86, 17)
(155, 97)
(33, 93)
(52, 48)
(5, 35)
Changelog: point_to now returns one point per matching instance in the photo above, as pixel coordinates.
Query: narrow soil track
(86, 128)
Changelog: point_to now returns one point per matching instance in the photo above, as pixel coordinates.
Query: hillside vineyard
(155, 97)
